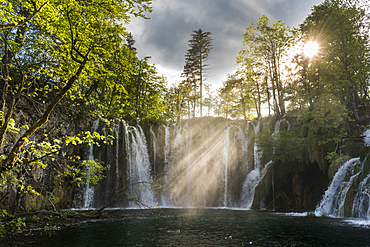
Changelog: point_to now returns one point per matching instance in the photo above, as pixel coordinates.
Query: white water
(88, 197)
(367, 137)
(167, 143)
(154, 141)
(139, 170)
(360, 207)
(166, 151)
(225, 162)
(331, 204)
(116, 138)
(256, 175)
(188, 162)
(257, 153)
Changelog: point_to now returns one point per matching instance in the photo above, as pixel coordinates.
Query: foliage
(86, 172)
(265, 46)
(127, 88)
(13, 224)
(17, 223)
(319, 129)
(283, 146)
(342, 65)
(240, 97)
(64, 51)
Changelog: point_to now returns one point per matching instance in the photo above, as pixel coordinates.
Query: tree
(267, 45)
(64, 43)
(196, 60)
(49, 52)
(239, 94)
(208, 100)
(337, 25)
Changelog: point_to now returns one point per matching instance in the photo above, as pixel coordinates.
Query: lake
(198, 227)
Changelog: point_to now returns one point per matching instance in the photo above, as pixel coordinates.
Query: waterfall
(139, 171)
(154, 141)
(361, 207)
(116, 138)
(88, 196)
(367, 137)
(225, 163)
(333, 200)
(166, 143)
(257, 154)
(350, 181)
(166, 150)
(253, 177)
(179, 164)
(256, 175)
(188, 162)
(202, 164)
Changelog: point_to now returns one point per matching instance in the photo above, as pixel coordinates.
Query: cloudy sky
(165, 35)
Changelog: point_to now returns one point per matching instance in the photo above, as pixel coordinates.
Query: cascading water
(166, 150)
(187, 131)
(139, 170)
(116, 138)
(352, 176)
(333, 200)
(225, 163)
(178, 162)
(256, 175)
(361, 207)
(88, 197)
(349, 191)
(253, 176)
(154, 141)
(166, 143)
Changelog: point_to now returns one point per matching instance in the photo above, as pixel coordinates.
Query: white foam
(293, 214)
(359, 222)
(367, 138)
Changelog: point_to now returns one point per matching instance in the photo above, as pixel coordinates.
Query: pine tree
(196, 60)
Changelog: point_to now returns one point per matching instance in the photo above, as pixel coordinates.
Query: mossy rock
(262, 190)
(348, 203)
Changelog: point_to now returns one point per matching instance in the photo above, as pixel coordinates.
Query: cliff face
(291, 187)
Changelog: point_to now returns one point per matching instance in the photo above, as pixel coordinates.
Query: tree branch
(29, 18)
(12, 158)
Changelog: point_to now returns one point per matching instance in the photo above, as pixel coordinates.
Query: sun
(311, 48)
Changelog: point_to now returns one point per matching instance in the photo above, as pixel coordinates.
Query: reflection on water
(199, 227)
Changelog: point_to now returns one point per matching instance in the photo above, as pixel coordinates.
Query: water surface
(197, 227)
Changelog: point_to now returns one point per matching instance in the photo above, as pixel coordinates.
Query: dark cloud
(165, 36)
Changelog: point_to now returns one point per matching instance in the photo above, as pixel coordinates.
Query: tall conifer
(196, 61)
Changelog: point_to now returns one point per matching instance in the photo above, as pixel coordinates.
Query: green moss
(311, 215)
(324, 215)
(348, 203)
(263, 189)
